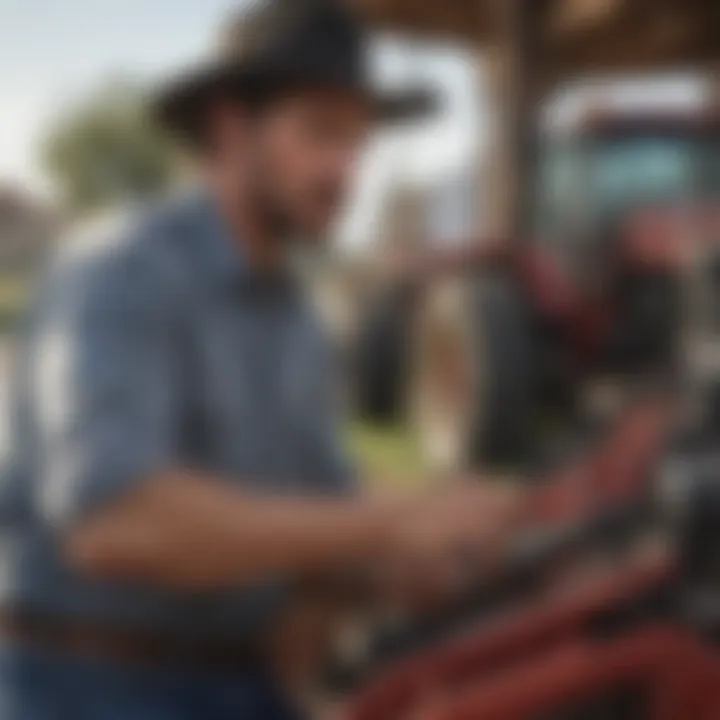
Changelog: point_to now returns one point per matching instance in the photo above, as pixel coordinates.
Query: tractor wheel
(381, 356)
(472, 374)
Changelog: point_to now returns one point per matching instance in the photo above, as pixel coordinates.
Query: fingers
(447, 539)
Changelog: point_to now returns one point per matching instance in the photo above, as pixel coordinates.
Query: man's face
(296, 158)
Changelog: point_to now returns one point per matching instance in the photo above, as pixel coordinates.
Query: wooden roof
(576, 36)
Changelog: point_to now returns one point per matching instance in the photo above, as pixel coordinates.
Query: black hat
(279, 44)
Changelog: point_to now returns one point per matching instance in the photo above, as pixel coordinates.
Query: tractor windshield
(632, 171)
(589, 182)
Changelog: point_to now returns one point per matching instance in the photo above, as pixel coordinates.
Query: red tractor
(495, 350)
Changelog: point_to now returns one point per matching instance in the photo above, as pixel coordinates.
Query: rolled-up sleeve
(102, 383)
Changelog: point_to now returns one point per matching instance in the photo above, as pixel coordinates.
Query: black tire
(503, 432)
(381, 356)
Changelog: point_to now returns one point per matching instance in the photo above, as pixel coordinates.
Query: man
(174, 465)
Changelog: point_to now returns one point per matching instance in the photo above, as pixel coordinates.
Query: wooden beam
(466, 21)
(572, 16)
(656, 35)
(577, 35)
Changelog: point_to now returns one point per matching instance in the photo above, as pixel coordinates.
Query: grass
(387, 454)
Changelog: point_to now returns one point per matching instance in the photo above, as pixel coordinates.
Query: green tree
(106, 150)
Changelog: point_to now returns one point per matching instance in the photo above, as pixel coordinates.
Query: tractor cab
(628, 205)
(622, 202)
(617, 175)
(621, 277)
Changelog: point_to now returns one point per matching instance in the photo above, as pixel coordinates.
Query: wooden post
(515, 81)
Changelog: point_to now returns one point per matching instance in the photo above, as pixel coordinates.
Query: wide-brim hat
(281, 44)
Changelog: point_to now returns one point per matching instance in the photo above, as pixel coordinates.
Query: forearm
(179, 530)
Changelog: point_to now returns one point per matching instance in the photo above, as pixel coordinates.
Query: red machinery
(534, 662)
(616, 642)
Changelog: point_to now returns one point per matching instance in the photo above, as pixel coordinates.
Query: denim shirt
(151, 345)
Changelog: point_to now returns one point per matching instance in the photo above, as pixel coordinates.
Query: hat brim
(179, 104)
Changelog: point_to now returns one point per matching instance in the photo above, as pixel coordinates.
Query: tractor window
(587, 183)
(630, 171)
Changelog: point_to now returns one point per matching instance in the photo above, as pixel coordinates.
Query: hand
(482, 515)
(440, 542)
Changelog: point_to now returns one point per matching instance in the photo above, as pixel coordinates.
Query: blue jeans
(38, 685)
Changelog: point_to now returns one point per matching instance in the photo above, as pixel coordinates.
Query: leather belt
(100, 641)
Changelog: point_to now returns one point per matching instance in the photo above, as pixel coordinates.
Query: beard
(280, 221)
(277, 223)
(287, 217)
